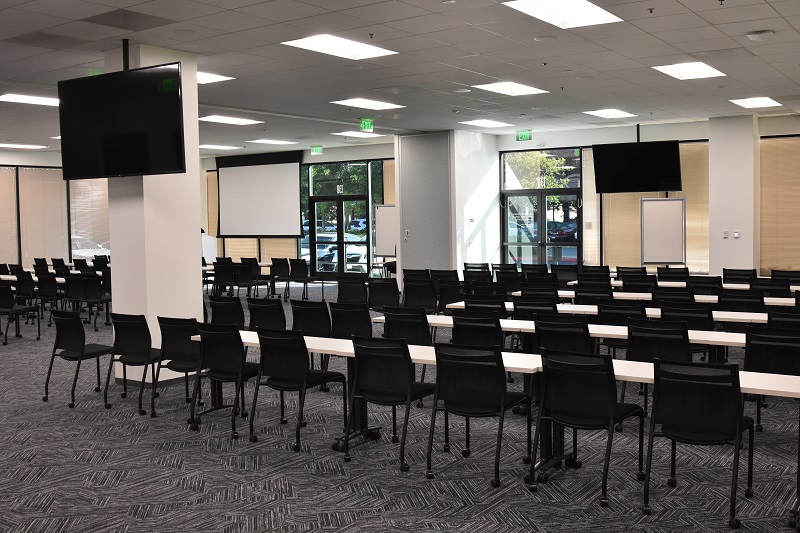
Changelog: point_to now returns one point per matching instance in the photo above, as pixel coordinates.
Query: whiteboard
(387, 230)
(663, 231)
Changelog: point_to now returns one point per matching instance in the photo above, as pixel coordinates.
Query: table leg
(360, 426)
(716, 355)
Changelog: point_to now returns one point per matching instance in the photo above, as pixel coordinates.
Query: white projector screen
(663, 231)
(387, 230)
(260, 201)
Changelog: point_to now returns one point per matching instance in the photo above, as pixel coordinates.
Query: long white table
(701, 298)
(663, 283)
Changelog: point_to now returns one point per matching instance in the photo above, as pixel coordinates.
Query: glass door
(339, 230)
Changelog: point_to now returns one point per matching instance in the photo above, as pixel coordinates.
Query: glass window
(329, 179)
(43, 214)
(88, 211)
(8, 215)
(542, 169)
(780, 196)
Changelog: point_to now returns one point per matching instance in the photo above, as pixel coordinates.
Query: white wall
(35, 159)
(476, 198)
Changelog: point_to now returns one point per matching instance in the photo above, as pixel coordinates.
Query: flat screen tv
(127, 123)
(637, 167)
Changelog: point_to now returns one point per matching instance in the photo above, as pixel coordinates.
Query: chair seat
(315, 377)
(138, 360)
(615, 343)
(418, 390)
(89, 352)
(18, 309)
(704, 435)
(622, 411)
(181, 366)
(482, 409)
(250, 370)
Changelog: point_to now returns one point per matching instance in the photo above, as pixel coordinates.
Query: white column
(155, 220)
(734, 182)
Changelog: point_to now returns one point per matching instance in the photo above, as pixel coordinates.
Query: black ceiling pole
(638, 134)
(126, 64)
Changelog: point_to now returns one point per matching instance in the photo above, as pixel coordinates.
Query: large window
(88, 214)
(9, 252)
(43, 214)
(780, 196)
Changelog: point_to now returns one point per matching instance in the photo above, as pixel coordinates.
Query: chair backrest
(24, 285)
(672, 294)
(784, 317)
(243, 274)
(283, 354)
(73, 287)
(266, 313)
(105, 280)
(738, 275)
(702, 401)
(588, 293)
(623, 271)
(663, 339)
(407, 323)
(563, 333)
(512, 281)
(348, 320)
(39, 268)
(100, 262)
(279, 268)
(47, 285)
(227, 310)
(531, 268)
(772, 350)
(223, 273)
(420, 293)
(15, 269)
(451, 291)
(672, 273)
(131, 335)
(473, 276)
(352, 289)
(486, 302)
(298, 269)
(617, 312)
(639, 283)
(501, 267)
(484, 267)
(526, 307)
(223, 260)
(383, 369)
(705, 284)
(221, 348)
(382, 292)
(792, 275)
(58, 262)
(470, 378)
(79, 264)
(740, 300)
(488, 287)
(698, 316)
(176, 339)
(92, 287)
(772, 287)
(596, 270)
(311, 318)
(69, 331)
(4, 269)
(578, 385)
(62, 271)
(440, 275)
(477, 328)
(416, 274)
(6, 296)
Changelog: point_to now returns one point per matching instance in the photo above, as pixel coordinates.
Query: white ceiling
(442, 48)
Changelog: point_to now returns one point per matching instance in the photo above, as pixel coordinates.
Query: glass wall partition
(88, 215)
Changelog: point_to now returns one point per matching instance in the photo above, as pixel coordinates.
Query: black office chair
(420, 293)
(625, 271)
(589, 292)
(258, 279)
(477, 328)
(70, 345)
(48, 293)
(285, 364)
(792, 275)
(58, 262)
(383, 292)
(280, 273)
(410, 274)
(697, 316)
(541, 287)
(639, 283)
(266, 313)
(784, 317)
(298, 272)
(701, 404)
(80, 264)
(132, 347)
(477, 267)
(384, 375)
(411, 325)
(579, 391)
(222, 360)
(668, 295)
(348, 320)
(738, 275)
(772, 287)
(672, 273)
(470, 382)
(616, 313)
(528, 269)
(564, 274)
(443, 275)
(743, 301)
(314, 320)
(227, 310)
(451, 291)
(223, 278)
(563, 333)
(487, 302)
(511, 280)
(705, 284)
(479, 276)
(94, 297)
(179, 353)
(15, 311)
(352, 289)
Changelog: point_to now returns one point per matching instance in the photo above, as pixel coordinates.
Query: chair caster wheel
(295, 447)
(618, 428)
(640, 476)
(201, 403)
(234, 435)
(244, 414)
(158, 395)
(420, 404)
(188, 400)
(108, 406)
(153, 414)
(603, 502)
(526, 460)
(335, 446)
(465, 453)
(123, 395)
(194, 427)
(527, 479)
(446, 448)
(395, 439)
(510, 379)
(142, 412)
(373, 435)
(571, 462)
(347, 459)
(303, 424)
(44, 398)
(533, 487)
(543, 478)
(495, 483)
(284, 421)
(672, 482)
(97, 389)
(759, 427)
(71, 405)
(748, 493)
(734, 523)
(646, 510)
(428, 475)
(325, 388)
(343, 447)
(253, 438)
(404, 467)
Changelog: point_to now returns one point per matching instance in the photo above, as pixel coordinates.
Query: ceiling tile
(331, 23)
(233, 41)
(69, 9)
(87, 31)
(230, 4)
(283, 10)
(18, 18)
(386, 11)
(46, 40)
(175, 9)
(704, 45)
(670, 22)
(129, 20)
(762, 10)
(689, 34)
(427, 24)
(231, 21)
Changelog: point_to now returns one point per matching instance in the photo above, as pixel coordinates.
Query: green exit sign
(366, 125)
(316, 150)
(524, 135)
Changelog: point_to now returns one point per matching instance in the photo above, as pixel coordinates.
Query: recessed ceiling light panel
(22, 146)
(336, 46)
(365, 103)
(271, 141)
(484, 123)
(220, 119)
(26, 99)
(206, 77)
(609, 113)
(219, 147)
(510, 88)
(564, 13)
(362, 134)
(689, 71)
(751, 103)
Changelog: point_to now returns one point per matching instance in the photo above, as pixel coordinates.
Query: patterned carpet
(91, 469)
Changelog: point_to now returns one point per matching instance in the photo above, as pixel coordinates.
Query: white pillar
(734, 182)
(155, 220)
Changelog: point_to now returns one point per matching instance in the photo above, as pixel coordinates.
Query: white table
(737, 286)
(701, 298)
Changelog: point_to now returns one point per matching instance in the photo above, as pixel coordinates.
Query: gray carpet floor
(92, 469)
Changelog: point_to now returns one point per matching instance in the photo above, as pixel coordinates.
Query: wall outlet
(724, 234)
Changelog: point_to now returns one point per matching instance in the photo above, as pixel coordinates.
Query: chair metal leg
(394, 423)
(154, 390)
(733, 522)
(283, 408)
(648, 470)
(429, 470)
(403, 465)
(239, 384)
(124, 382)
(47, 380)
(253, 437)
(75, 383)
(465, 452)
(296, 445)
(108, 378)
(604, 489)
(97, 366)
(141, 389)
(498, 445)
(194, 422)
(349, 426)
(673, 481)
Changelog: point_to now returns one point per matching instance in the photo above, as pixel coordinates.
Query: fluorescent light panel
(219, 147)
(336, 46)
(689, 71)
(610, 113)
(230, 120)
(483, 123)
(22, 146)
(271, 141)
(25, 99)
(206, 77)
(58, 137)
(751, 103)
(362, 134)
(510, 88)
(366, 103)
(564, 13)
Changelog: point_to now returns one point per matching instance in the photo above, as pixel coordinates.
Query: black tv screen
(127, 123)
(637, 167)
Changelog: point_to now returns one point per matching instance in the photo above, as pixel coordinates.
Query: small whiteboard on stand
(663, 231)
(387, 230)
